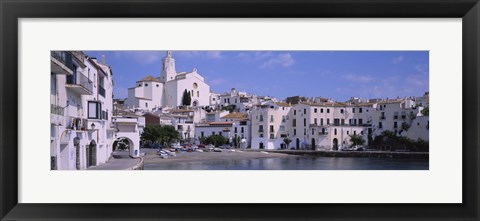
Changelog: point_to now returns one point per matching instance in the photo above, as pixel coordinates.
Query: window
(313, 131)
(271, 118)
(321, 110)
(157, 85)
(139, 85)
(241, 129)
(360, 121)
(282, 128)
(294, 132)
(321, 121)
(328, 121)
(235, 130)
(305, 131)
(294, 112)
(315, 121)
(146, 104)
(314, 110)
(347, 132)
(380, 125)
(260, 128)
(94, 110)
(260, 135)
(341, 111)
(195, 85)
(198, 94)
(271, 128)
(294, 122)
(328, 110)
(272, 136)
(354, 132)
(213, 132)
(360, 110)
(353, 110)
(395, 125)
(261, 117)
(220, 133)
(304, 122)
(304, 111)
(335, 131)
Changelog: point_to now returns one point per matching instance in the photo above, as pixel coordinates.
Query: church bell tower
(168, 68)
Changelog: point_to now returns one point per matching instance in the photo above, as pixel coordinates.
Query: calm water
(296, 163)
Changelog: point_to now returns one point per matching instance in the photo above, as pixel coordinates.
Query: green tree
(162, 134)
(425, 111)
(236, 141)
(287, 141)
(151, 133)
(216, 140)
(186, 98)
(356, 139)
(168, 134)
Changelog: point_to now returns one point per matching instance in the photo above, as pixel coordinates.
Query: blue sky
(338, 75)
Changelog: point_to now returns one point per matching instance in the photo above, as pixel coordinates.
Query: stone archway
(91, 154)
(124, 147)
(335, 144)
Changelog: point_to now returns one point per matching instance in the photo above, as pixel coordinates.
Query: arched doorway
(313, 143)
(297, 144)
(91, 154)
(261, 146)
(335, 144)
(123, 147)
(76, 143)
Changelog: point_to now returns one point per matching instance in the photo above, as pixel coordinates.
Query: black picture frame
(12, 10)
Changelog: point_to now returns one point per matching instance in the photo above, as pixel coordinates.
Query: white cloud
(214, 54)
(142, 57)
(217, 81)
(397, 59)
(358, 78)
(422, 69)
(284, 60)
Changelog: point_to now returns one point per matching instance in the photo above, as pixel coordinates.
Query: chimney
(103, 58)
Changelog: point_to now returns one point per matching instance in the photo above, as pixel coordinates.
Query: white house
(168, 88)
(81, 110)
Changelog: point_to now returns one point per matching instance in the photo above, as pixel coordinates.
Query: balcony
(54, 109)
(323, 133)
(382, 117)
(260, 130)
(101, 91)
(75, 123)
(79, 84)
(61, 62)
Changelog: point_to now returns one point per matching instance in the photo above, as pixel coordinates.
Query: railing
(75, 123)
(54, 109)
(64, 57)
(101, 91)
(81, 80)
(323, 133)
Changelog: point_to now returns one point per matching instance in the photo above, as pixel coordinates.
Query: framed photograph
(311, 110)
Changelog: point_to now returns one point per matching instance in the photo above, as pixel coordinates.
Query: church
(167, 90)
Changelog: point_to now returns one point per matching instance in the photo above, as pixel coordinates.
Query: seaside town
(174, 116)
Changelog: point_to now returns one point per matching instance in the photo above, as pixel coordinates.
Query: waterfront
(275, 161)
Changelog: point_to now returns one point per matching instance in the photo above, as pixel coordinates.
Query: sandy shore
(206, 156)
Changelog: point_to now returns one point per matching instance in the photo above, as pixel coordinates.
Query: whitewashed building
(270, 125)
(81, 111)
(168, 88)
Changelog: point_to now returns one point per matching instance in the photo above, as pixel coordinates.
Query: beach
(153, 158)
